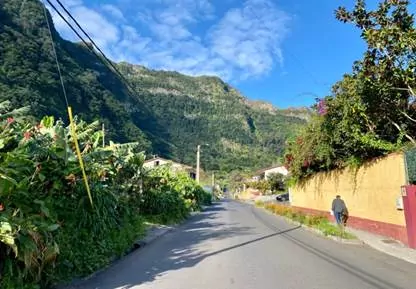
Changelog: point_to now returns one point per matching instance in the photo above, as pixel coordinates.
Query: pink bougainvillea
(321, 106)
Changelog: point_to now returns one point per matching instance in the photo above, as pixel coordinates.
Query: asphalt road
(234, 245)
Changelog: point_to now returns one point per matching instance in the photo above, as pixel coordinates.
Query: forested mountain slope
(169, 113)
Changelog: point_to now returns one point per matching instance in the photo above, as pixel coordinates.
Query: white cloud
(244, 43)
(131, 44)
(113, 11)
(249, 38)
(71, 3)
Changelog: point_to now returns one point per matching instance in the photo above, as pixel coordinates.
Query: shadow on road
(180, 250)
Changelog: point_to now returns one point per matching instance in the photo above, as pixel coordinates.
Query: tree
(276, 182)
(371, 111)
(387, 72)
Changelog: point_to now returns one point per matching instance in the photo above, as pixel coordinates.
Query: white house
(158, 161)
(265, 173)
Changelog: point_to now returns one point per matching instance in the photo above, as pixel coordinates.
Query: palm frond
(5, 110)
(4, 106)
(83, 132)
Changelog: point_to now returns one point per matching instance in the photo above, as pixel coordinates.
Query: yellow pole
(81, 162)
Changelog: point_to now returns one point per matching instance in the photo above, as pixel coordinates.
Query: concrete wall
(370, 194)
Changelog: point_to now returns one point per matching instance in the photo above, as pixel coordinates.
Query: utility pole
(103, 136)
(213, 179)
(197, 162)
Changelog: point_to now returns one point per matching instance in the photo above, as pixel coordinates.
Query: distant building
(256, 178)
(158, 161)
(265, 173)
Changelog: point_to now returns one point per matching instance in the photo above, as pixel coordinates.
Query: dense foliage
(167, 114)
(49, 232)
(371, 111)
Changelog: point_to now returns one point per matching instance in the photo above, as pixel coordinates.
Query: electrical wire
(131, 91)
(106, 62)
(89, 38)
(56, 56)
(71, 120)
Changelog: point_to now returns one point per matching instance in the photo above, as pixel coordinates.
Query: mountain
(167, 112)
(304, 113)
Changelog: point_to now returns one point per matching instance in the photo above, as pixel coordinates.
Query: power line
(113, 68)
(74, 30)
(90, 39)
(56, 56)
(129, 87)
(130, 90)
(73, 130)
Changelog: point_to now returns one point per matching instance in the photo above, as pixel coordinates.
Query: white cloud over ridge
(243, 43)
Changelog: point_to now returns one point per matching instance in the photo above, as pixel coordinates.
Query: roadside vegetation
(318, 222)
(51, 230)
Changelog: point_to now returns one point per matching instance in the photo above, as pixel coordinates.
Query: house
(158, 161)
(265, 173)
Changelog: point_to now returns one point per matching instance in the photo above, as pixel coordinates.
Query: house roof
(269, 168)
(156, 158)
(163, 159)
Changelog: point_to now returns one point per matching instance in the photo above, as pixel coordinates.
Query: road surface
(234, 245)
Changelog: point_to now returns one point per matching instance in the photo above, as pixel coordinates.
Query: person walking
(338, 208)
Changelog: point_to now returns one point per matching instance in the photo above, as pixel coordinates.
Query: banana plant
(7, 112)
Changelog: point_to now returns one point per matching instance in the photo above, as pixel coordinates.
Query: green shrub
(169, 206)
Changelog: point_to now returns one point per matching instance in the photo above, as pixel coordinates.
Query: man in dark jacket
(338, 207)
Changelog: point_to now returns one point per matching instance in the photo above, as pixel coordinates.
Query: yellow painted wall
(369, 192)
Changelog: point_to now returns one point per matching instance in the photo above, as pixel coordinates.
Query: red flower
(288, 162)
(1, 207)
(27, 135)
(289, 157)
(10, 120)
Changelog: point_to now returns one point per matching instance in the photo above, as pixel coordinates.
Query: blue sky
(282, 51)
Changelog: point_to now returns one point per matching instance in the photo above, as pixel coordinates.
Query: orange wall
(369, 192)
